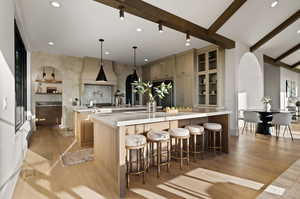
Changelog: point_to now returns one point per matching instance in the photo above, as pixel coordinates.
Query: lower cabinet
(48, 115)
(84, 129)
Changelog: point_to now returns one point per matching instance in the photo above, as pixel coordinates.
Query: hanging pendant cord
(101, 53)
(134, 56)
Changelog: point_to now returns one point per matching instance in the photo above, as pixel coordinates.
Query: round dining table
(264, 127)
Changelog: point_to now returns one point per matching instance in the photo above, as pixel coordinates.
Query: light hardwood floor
(252, 164)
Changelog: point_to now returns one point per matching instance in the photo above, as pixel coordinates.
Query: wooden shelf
(49, 81)
(48, 93)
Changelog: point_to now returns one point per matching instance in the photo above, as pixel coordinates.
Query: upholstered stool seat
(135, 140)
(158, 135)
(179, 132)
(195, 129)
(197, 145)
(212, 126)
(159, 155)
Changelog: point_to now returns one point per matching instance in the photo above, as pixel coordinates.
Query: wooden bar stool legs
(136, 159)
(180, 135)
(214, 131)
(163, 155)
(196, 132)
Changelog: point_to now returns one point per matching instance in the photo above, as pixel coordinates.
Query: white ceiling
(76, 26)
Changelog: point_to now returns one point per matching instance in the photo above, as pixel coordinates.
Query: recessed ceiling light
(274, 4)
(139, 29)
(107, 53)
(55, 4)
(146, 60)
(187, 44)
(50, 43)
(298, 32)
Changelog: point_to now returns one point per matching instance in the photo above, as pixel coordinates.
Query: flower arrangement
(160, 91)
(266, 100)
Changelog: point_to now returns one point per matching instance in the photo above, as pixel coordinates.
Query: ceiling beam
(296, 64)
(234, 6)
(270, 60)
(287, 53)
(276, 31)
(149, 12)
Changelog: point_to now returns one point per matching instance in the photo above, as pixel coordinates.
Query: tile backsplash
(98, 93)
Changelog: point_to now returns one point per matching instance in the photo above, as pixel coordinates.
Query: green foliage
(160, 91)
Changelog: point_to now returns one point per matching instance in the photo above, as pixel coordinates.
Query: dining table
(266, 116)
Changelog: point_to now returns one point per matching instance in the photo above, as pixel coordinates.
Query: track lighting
(160, 27)
(121, 12)
(188, 38)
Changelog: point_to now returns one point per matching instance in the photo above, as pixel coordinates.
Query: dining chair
(250, 118)
(282, 119)
(241, 118)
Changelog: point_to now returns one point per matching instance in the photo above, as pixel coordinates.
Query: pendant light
(135, 76)
(101, 75)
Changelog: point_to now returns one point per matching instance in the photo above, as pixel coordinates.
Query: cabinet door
(202, 89)
(213, 91)
(212, 60)
(201, 62)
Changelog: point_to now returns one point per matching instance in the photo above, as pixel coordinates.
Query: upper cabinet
(197, 76)
(210, 62)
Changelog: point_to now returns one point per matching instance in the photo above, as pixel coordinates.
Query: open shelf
(48, 93)
(49, 81)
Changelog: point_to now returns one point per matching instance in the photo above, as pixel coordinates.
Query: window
(20, 79)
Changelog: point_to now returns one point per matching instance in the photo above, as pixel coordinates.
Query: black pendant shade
(134, 75)
(101, 75)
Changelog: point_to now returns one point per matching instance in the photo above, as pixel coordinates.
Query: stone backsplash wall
(98, 94)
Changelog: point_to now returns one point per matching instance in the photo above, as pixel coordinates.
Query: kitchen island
(83, 126)
(111, 129)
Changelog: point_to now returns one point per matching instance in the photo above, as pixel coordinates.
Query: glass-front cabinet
(208, 73)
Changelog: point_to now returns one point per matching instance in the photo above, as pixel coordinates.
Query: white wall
(272, 84)
(286, 74)
(12, 145)
(250, 76)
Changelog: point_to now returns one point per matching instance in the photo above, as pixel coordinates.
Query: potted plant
(267, 102)
(146, 88)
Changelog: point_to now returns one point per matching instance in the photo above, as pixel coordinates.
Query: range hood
(90, 70)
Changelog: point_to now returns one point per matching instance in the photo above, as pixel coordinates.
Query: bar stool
(135, 162)
(158, 138)
(180, 134)
(197, 131)
(214, 129)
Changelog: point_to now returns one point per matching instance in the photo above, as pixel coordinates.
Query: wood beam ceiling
(296, 64)
(277, 30)
(149, 12)
(270, 60)
(287, 53)
(234, 6)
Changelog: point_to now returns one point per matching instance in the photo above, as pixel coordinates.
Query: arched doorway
(250, 82)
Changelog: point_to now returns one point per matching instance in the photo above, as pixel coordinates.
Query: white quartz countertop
(109, 109)
(143, 117)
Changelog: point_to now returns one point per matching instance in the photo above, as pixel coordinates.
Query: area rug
(77, 157)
